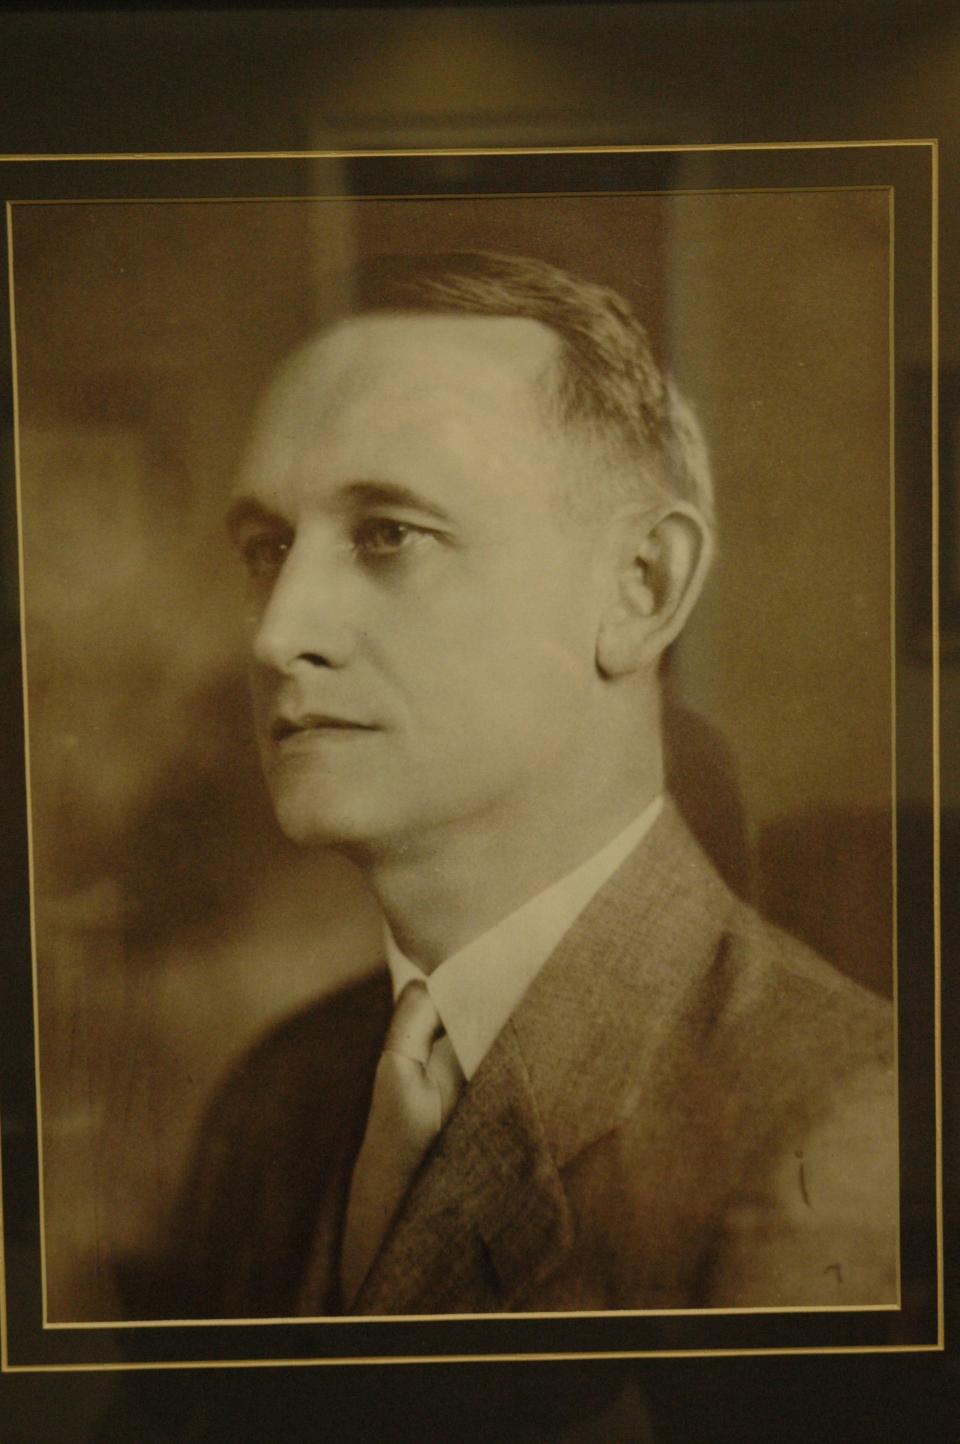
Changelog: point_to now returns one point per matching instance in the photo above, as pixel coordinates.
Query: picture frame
(908, 170)
(949, 387)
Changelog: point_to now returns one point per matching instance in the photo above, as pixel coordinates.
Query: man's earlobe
(661, 562)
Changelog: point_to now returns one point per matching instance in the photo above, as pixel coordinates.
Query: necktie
(417, 1083)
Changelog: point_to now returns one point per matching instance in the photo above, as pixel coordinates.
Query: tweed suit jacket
(688, 1109)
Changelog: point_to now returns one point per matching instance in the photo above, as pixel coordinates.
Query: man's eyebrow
(246, 512)
(388, 493)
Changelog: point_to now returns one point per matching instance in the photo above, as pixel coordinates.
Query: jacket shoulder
(813, 1218)
(321, 1038)
(790, 996)
(775, 1150)
(273, 1138)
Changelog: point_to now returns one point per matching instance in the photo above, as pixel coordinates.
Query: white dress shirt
(477, 988)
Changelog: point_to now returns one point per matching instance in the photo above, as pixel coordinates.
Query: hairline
(592, 443)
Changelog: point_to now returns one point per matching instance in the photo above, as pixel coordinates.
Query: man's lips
(283, 728)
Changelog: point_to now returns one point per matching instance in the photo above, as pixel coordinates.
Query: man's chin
(309, 830)
(320, 823)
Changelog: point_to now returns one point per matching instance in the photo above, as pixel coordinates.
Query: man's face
(424, 608)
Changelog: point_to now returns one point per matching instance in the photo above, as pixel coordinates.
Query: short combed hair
(608, 387)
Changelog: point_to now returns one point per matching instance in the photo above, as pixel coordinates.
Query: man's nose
(308, 618)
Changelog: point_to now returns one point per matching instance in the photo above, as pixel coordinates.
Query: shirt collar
(477, 988)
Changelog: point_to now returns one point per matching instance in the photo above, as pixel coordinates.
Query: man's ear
(660, 561)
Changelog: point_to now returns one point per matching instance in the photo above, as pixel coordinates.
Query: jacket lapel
(487, 1211)
(487, 1217)
(620, 986)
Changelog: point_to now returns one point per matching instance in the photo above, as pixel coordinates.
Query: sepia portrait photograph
(479, 689)
(459, 690)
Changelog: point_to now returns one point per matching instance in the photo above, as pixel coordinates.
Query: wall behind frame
(173, 921)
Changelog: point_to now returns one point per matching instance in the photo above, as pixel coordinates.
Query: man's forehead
(398, 352)
(386, 394)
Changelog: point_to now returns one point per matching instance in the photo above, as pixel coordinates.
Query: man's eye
(264, 554)
(384, 537)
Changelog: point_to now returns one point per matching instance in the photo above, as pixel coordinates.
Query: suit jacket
(687, 1110)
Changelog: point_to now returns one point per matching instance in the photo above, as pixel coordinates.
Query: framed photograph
(479, 538)
(169, 926)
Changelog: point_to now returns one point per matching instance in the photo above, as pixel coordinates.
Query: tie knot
(415, 1025)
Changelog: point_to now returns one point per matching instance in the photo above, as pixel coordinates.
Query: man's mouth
(283, 728)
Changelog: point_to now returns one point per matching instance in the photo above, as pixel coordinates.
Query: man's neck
(439, 899)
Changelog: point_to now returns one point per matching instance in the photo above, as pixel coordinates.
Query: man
(474, 517)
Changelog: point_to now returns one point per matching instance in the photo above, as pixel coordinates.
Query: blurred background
(173, 923)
